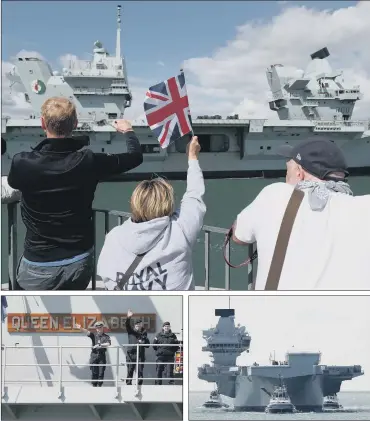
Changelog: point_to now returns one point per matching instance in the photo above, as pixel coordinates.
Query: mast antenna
(118, 40)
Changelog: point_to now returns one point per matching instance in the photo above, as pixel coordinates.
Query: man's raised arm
(129, 328)
(113, 164)
(82, 329)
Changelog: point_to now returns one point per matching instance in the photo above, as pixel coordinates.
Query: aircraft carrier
(45, 372)
(313, 103)
(307, 381)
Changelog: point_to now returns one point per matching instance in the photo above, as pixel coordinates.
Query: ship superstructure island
(313, 103)
(306, 380)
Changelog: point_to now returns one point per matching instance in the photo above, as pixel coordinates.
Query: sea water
(356, 406)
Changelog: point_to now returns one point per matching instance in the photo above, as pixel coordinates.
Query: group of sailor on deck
(165, 345)
(152, 250)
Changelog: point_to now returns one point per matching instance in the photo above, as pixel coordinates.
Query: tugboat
(280, 402)
(214, 401)
(331, 403)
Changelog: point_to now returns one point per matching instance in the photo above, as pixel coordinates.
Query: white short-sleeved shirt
(327, 250)
(8, 194)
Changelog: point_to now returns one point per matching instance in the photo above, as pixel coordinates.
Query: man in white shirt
(329, 244)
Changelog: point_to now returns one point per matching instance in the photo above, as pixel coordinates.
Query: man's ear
(43, 125)
(301, 173)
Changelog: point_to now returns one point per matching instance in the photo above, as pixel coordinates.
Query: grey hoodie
(168, 242)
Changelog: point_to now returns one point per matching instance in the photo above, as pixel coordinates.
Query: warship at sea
(312, 103)
(307, 381)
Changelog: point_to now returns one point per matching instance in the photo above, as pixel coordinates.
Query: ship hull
(212, 405)
(305, 392)
(146, 171)
(45, 361)
(254, 159)
(280, 408)
(299, 408)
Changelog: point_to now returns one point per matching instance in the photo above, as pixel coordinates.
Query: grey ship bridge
(102, 221)
(307, 381)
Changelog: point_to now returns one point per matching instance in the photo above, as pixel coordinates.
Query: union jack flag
(166, 106)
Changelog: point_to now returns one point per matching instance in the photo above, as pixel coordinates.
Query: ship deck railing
(136, 400)
(207, 231)
(117, 381)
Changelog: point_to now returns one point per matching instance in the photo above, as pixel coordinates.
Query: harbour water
(225, 198)
(356, 406)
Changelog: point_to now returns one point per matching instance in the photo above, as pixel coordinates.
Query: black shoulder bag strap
(282, 241)
(123, 281)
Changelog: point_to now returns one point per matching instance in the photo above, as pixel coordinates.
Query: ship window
(208, 143)
(31, 71)
(102, 149)
(151, 148)
(205, 143)
(268, 148)
(261, 147)
(112, 115)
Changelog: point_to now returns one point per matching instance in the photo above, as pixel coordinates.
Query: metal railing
(121, 216)
(118, 380)
(340, 123)
(101, 91)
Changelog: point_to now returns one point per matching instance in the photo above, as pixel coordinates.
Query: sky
(338, 327)
(224, 46)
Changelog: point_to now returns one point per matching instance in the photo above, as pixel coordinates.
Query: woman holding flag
(153, 249)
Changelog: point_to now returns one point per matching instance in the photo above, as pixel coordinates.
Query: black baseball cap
(166, 324)
(319, 157)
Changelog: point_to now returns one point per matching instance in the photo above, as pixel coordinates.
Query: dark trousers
(75, 276)
(131, 367)
(165, 369)
(97, 371)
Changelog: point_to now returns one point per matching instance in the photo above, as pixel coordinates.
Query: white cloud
(66, 58)
(238, 68)
(232, 79)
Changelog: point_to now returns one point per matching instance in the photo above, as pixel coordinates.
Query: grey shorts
(75, 276)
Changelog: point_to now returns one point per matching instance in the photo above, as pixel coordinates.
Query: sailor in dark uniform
(100, 342)
(165, 354)
(136, 335)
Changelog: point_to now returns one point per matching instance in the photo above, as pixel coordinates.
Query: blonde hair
(59, 115)
(152, 199)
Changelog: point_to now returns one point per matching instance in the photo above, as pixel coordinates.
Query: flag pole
(189, 114)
